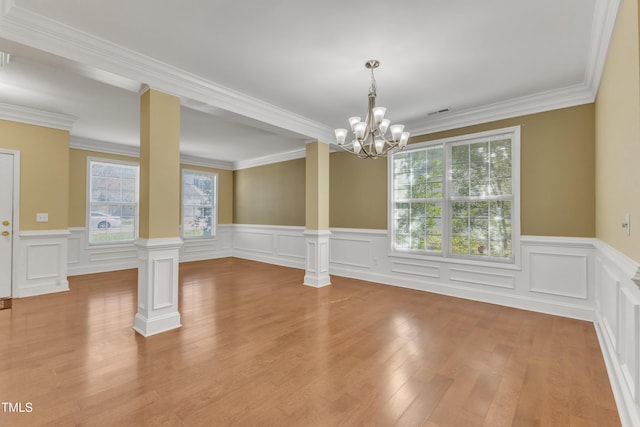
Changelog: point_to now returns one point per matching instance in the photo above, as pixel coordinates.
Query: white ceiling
(263, 77)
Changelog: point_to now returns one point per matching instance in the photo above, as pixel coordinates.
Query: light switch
(42, 217)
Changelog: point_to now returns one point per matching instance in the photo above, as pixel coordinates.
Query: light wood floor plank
(258, 348)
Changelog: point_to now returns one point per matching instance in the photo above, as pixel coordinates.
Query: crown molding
(187, 159)
(604, 20)
(15, 113)
(103, 146)
(23, 26)
(272, 158)
(530, 104)
(134, 151)
(26, 27)
(605, 14)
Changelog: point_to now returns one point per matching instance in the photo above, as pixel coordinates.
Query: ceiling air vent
(433, 113)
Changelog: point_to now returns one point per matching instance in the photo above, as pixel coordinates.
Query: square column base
(317, 267)
(158, 264)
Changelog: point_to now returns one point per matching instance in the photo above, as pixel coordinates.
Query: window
(457, 197)
(199, 207)
(112, 202)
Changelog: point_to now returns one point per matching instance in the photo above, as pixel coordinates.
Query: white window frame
(214, 210)
(446, 255)
(88, 202)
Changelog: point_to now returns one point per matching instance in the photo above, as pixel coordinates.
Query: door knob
(5, 222)
(5, 233)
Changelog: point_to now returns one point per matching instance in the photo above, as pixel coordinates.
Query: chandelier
(370, 139)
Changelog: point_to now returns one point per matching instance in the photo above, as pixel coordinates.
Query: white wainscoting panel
(558, 273)
(610, 294)
(220, 246)
(364, 254)
(629, 358)
(411, 267)
(86, 259)
(42, 263)
(273, 244)
(290, 245)
(476, 277)
(162, 276)
(350, 251)
(618, 327)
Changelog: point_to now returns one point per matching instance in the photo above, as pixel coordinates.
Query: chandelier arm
(373, 138)
(361, 155)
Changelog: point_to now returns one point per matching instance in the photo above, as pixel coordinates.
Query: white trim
(272, 158)
(604, 19)
(88, 211)
(15, 220)
(310, 232)
(213, 176)
(628, 266)
(570, 96)
(514, 134)
(15, 113)
(26, 234)
(186, 159)
(263, 243)
(42, 262)
(367, 231)
(24, 26)
(104, 147)
(158, 265)
(317, 258)
(614, 289)
(563, 242)
(159, 243)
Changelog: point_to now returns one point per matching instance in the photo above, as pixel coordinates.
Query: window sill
(198, 238)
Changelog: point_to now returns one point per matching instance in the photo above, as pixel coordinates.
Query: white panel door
(6, 223)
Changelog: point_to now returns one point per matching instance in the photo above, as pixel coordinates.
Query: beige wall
(159, 165)
(271, 194)
(44, 173)
(357, 192)
(317, 186)
(618, 137)
(78, 186)
(557, 176)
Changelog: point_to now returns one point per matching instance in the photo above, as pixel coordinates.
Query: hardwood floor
(258, 348)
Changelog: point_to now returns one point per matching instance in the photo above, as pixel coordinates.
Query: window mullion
(446, 207)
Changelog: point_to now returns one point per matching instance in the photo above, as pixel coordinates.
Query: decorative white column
(317, 215)
(157, 286)
(317, 246)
